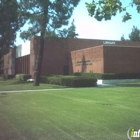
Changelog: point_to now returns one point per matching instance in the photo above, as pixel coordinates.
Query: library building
(68, 56)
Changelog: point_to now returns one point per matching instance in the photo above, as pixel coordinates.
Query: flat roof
(121, 46)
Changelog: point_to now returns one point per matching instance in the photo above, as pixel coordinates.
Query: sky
(89, 28)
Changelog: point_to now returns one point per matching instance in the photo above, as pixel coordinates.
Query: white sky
(90, 28)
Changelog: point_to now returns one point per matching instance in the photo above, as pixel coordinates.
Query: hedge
(55, 80)
(23, 77)
(128, 76)
(110, 75)
(51, 78)
(7, 76)
(72, 81)
(43, 79)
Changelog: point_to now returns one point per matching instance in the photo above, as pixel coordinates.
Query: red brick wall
(6, 63)
(120, 59)
(57, 54)
(34, 44)
(55, 57)
(12, 61)
(23, 65)
(88, 60)
(9, 62)
(77, 44)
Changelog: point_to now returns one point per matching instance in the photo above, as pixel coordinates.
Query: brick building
(75, 55)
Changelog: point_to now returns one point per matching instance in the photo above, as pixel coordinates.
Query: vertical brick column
(10, 62)
(34, 44)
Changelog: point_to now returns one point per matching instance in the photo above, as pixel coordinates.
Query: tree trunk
(38, 64)
(39, 59)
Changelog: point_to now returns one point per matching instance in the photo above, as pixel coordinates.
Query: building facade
(67, 56)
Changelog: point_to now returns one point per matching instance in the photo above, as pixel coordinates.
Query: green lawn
(76, 114)
(133, 84)
(9, 85)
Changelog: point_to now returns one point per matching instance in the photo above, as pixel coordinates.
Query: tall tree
(45, 16)
(133, 36)
(123, 38)
(105, 9)
(70, 32)
(8, 25)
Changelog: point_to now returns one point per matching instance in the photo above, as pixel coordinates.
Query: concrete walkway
(98, 86)
(33, 90)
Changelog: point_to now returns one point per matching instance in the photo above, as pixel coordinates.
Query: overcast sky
(90, 28)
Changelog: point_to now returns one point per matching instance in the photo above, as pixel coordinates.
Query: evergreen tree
(135, 34)
(68, 33)
(45, 17)
(72, 31)
(8, 25)
(122, 38)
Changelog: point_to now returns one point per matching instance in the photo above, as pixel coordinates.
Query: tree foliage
(57, 15)
(69, 33)
(45, 18)
(8, 25)
(105, 9)
(8, 22)
(72, 31)
(133, 36)
(122, 38)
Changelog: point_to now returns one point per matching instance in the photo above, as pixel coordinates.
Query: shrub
(1, 78)
(55, 80)
(43, 79)
(121, 76)
(107, 76)
(73, 81)
(77, 74)
(10, 76)
(23, 77)
(128, 75)
(79, 81)
(4, 77)
(7, 76)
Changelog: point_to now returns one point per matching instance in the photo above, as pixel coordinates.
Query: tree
(105, 9)
(135, 34)
(45, 17)
(64, 33)
(122, 38)
(70, 32)
(8, 25)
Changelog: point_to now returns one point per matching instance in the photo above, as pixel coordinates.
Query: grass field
(133, 84)
(9, 85)
(76, 114)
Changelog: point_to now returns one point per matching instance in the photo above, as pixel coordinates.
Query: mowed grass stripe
(72, 114)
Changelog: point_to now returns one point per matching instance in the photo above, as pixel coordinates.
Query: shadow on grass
(14, 82)
(2, 95)
(10, 85)
(21, 82)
